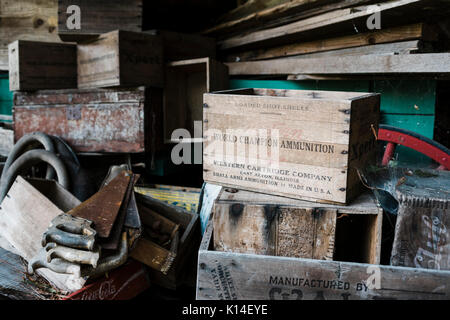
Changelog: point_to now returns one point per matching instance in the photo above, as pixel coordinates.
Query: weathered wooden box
(185, 83)
(249, 222)
(94, 120)
(188, 244)
(121, 58)
(97, 17)
(294, 143)
(42, 65)
(240, 276)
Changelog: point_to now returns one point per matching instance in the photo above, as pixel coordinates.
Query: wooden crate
(185, 83)
(422, 231)
(98, 17)
(189, 242)
(249, 222)
(42, 65)
(121, 58)
(293, 143)
(94, 120)
(239, 276)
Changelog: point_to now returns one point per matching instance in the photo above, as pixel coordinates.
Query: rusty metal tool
(110, 262)
(57, 265)
(70, 231)
(73, 255)
(103, 207)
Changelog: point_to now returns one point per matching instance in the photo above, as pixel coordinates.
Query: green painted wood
(5, 94)
(6, 99)
(354, 86)
(407, 96)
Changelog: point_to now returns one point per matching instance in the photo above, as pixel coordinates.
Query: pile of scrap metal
(66, 231)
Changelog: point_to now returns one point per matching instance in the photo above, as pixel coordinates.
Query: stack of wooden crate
(259, 243)
(118, 92)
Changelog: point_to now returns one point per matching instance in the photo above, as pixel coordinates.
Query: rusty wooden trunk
(93, 120)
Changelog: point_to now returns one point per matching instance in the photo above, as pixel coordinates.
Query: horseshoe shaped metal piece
(70, 231)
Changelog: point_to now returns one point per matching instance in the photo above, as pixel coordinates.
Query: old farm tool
(70, 231)
(68, 242)
(394, 136)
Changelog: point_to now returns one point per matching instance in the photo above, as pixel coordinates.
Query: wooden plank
(94, 120)
(281, 14)
(42, 65)
(35, 20)
(393, 12)
(98, 17)
(356, 45)
(431, 63)
(226, 275)
(25, 215)
(305, 133)
(120, 58)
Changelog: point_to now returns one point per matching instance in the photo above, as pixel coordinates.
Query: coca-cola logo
(106, 290)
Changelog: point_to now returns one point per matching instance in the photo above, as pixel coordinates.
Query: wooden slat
(432, 63)
(281, 14)
(403, 33)
(226, 275)
(343, 20)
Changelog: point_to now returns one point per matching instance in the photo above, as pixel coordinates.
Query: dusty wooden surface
(358, 41)
(426, 63)
(341, 21)
(225, 275)
(121, 58)
(289, 142)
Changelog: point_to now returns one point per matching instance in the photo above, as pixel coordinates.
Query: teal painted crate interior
(6, 99)
(407, 104)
